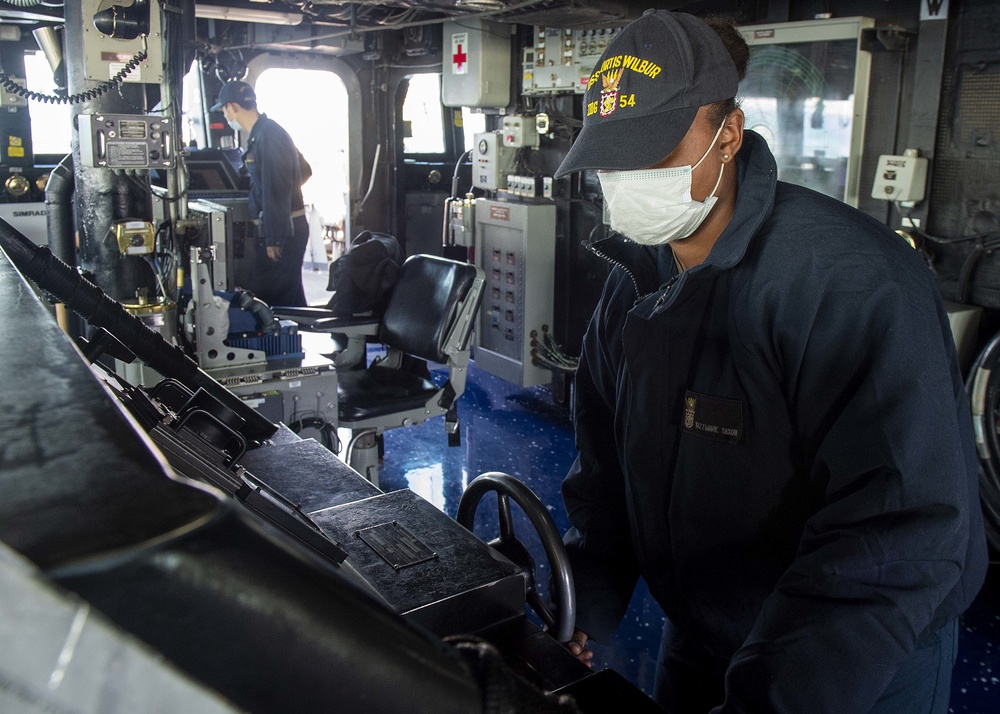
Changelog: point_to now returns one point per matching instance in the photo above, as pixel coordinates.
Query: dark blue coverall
(276, 177)
(778, 441)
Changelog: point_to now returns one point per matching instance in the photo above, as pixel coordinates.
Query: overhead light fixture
(242, 14)
(481, 4)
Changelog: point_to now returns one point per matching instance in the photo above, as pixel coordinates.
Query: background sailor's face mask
(654, 206)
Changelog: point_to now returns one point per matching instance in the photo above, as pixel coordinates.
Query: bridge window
(472, 124)
(195, 133)
(422, 112)
(51, 126)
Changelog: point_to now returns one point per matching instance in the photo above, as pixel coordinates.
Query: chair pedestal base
(362, 454)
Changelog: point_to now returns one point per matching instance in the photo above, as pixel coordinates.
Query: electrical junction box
(135, 237)
(126, 141)
(476, 67)
(104, 57)
(562, 59)
(900, 178)
(515, 246)
(519, 131)
(491, 161)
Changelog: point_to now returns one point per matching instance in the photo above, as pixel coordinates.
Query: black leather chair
(429, 318)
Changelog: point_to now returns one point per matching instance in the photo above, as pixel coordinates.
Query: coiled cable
(327, 430)
(983, 389)
(14, 88)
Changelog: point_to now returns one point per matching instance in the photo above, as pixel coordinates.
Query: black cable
(983, 390)
(936, 239)
(969, 267)
(454, 176)
(546, 353)
(328, 432)
(15, 88)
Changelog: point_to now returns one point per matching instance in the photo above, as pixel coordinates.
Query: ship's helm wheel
(559, 619)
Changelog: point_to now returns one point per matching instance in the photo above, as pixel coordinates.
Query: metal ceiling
(392, 13)
(396, 13)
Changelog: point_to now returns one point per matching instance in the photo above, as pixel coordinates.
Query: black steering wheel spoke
(560, 617)
(537, 603)
(506, 518)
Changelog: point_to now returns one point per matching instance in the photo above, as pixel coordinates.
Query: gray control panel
(127, 141)
(515, 246)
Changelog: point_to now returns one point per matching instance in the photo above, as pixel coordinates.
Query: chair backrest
(429, 295)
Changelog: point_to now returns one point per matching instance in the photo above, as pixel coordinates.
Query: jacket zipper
(635, 283)
(666, 291)
(618, 264)
(633, 496)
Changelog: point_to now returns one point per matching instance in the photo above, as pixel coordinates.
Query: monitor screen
(216, 171)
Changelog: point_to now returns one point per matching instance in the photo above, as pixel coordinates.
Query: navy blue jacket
(275, 180)
(778, 441)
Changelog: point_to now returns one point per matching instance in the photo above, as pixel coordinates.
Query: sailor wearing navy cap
(771, 422)
(277, 172)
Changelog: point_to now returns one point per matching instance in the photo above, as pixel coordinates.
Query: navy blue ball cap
(646, 89)
(239, 92)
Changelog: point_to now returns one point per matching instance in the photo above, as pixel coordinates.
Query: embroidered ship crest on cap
(609, 93)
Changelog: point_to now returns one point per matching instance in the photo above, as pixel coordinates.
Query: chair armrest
(291, 313)
(319, 319)
(303, 316)
(350, 326)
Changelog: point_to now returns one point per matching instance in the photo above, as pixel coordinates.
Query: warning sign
(460, 53)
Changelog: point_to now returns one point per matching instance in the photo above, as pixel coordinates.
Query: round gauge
(483, 146)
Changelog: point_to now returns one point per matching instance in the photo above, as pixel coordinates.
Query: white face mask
(654, 206)
(234, 125)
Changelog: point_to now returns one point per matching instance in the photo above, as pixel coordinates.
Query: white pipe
(241, 14)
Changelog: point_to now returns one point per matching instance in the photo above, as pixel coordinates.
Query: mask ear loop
(723, 165)
(717, 181)
(709, 149)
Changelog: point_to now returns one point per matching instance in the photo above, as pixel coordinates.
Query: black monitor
(214, 172)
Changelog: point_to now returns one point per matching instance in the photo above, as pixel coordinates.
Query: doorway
(311, 105)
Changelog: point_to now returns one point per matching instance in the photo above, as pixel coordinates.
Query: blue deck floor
(524, 433)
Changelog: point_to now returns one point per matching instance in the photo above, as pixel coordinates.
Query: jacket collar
(758, 177)
(652, 266)
(258, 127)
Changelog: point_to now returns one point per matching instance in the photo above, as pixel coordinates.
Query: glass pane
(51, 127)
(472, 124)
(422, 111)
(192, 120)
(312, 107)
(799, 97)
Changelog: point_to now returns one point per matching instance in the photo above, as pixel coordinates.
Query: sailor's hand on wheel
(577, 647)
(274, 252)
